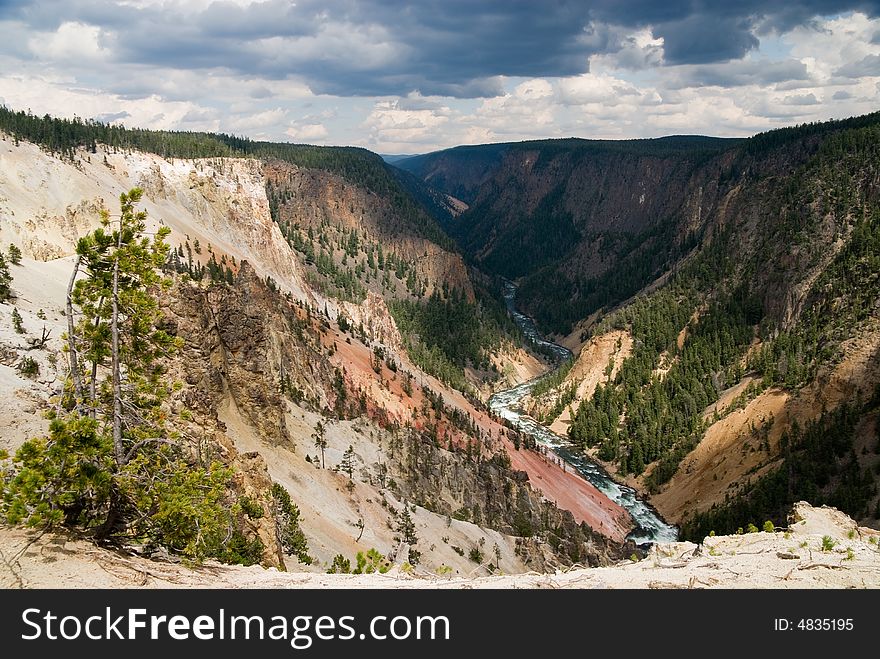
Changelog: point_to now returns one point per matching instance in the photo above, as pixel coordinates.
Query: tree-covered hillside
(774, 296)
(585, 224)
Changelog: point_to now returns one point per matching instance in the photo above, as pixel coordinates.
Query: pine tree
(109, 464)
(347, 463)
(14, 254)
(406, 527)
(5, 280)
(293, 540)
(16, 321)
(320, 438)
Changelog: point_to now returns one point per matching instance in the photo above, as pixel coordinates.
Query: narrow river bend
(506, 404)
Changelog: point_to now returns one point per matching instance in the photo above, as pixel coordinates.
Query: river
(506, 404)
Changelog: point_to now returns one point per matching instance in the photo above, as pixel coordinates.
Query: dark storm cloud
(454, 48)
(701, 32)
(701, 39)
(740, 73)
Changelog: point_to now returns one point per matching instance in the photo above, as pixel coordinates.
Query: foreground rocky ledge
(822, 548)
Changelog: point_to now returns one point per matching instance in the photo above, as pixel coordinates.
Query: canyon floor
(822, 548)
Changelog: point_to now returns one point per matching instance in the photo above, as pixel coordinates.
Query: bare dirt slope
(791, 559)
(590, 368)
(746, 440)
(39, 289)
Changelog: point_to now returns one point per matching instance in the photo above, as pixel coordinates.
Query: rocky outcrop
(237, 341)
(797, 557)
(488, 492)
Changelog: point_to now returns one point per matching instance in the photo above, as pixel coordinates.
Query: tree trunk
(117, 380)
(93, 387)
(93, 392)
(71, 338)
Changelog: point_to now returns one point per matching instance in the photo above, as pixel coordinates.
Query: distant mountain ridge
(565, 211)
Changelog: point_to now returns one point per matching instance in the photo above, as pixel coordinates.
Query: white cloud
(829, 45)
(46, 95)
(307, 131)
(391, 125)
(72, 41)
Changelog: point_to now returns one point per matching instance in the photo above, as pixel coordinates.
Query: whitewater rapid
(650, 527)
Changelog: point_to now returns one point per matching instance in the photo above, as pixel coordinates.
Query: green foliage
(475, 554)
(828, 543)
(240, 550)
(444, 335)
(250, 507)
(71, 478)
(406, 527)
(553, 380)
(28, 367)
(16, 321)
(5, 280)
(463, 514)
(843, 296)
(340, 565)
(14, 254)
(522, 525)
(368, 563)
(319, 436)
(63, 478)
(143, 343)
(347, 464)
(557, 300)
(293, 540)
(769, 527)
(371, 562)
(751, 528)
(186, 505)
(545, 236)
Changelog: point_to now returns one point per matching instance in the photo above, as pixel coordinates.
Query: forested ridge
(586, 224)
(358, 166)
(445, 335)
(823, 216)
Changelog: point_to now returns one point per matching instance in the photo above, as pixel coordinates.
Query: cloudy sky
(410, 77)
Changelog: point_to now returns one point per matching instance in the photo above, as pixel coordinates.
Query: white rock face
(47, 203)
